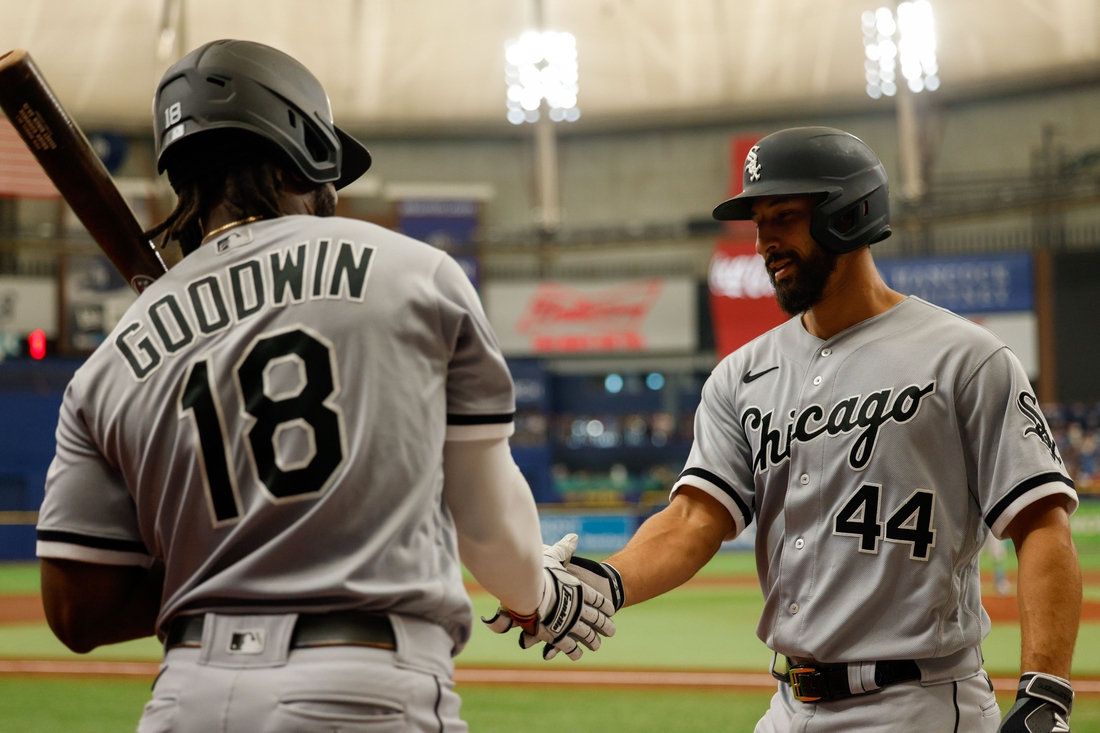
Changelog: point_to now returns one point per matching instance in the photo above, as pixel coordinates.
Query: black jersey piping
(725, 487)
(438, 699)
(480, 419)
(1022, 488)
(98, 543)
(955, 700)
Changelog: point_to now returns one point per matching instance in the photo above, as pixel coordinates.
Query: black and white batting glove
(569, 615)
(601, 576)
(1043, 705)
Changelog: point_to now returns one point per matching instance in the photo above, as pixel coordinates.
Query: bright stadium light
(901, 48)
(541, 66)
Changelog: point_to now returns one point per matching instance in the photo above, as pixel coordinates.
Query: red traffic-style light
(36, 342)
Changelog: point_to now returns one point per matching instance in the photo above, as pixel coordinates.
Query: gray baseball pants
(345, 689)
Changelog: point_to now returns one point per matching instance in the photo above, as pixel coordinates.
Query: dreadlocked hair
(243, 172)
(251, 189)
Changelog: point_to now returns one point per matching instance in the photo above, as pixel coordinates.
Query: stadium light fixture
(541, 66)
(904, 43)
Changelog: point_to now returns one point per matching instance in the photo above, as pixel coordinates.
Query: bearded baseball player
(876, 440)
(278, 458)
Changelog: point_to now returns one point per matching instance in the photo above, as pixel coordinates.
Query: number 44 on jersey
(910, 523)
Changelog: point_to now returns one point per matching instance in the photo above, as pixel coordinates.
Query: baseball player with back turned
(277, 459)
(876, 440)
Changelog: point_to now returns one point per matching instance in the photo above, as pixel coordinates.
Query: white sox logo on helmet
(752, 164)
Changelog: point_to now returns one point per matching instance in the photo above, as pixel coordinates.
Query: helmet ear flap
(846, 227)
(846, 221)
(315, 144)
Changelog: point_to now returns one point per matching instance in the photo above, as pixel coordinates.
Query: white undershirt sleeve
(499, 539)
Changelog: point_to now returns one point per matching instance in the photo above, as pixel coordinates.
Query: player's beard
(324, 201)
(802, 291)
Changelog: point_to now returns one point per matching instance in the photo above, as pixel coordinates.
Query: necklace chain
(230, 225)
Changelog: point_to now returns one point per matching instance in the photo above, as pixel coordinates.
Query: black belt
(826, 682)
(340, 628)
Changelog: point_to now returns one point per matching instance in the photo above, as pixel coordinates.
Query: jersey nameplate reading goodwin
(286, 277)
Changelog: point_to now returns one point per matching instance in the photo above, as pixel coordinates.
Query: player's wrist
(526, 621)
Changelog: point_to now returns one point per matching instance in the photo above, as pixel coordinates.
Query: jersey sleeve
(480, 396)
(720, 462)
(499, 540)
(1011, 457)
(88, 514)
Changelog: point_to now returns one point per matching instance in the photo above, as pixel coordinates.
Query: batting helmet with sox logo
(855, 204)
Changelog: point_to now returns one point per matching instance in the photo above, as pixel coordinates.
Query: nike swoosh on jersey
(749, 376)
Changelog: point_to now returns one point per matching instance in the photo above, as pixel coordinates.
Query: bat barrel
(77, 172)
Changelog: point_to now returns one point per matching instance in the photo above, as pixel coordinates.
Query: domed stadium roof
(408, 64)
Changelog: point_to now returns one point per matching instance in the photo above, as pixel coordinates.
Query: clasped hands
(578, 599)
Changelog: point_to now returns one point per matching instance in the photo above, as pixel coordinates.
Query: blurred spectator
(530, 429)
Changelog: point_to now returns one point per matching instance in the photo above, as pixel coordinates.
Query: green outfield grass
(691, 628)
(49, 705)
(696, 627)
(19, 577)
(36, 641)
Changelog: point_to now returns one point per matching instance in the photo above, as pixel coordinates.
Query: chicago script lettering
(867, 414)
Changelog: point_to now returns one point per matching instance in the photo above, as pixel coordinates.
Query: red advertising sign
(561, 318)
(547, 317)
(742, 300)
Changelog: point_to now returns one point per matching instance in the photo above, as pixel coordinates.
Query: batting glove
(601, 576)
(569, 615)
(1043, 704)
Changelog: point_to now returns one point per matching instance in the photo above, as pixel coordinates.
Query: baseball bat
(77, 172)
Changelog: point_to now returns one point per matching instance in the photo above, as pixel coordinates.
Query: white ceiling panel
(416, 62)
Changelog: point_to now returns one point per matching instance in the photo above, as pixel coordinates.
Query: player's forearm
(1049, 592)
(499, 540)
(506, 566)
(671, 546)
(89, 605)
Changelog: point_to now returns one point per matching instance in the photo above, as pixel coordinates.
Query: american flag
(20, 174)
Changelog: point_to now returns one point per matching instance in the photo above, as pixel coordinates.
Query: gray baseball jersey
(268, 419)
(874, 464)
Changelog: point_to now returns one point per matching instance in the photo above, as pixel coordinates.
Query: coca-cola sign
(742, 300)
(739, 276)
(548, 317)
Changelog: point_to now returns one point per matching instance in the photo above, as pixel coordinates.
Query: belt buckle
(796, 683)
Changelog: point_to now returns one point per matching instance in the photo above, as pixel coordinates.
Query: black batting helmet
(855, 208)
(245, 86)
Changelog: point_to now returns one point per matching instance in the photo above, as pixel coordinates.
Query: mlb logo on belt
(247, 642)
